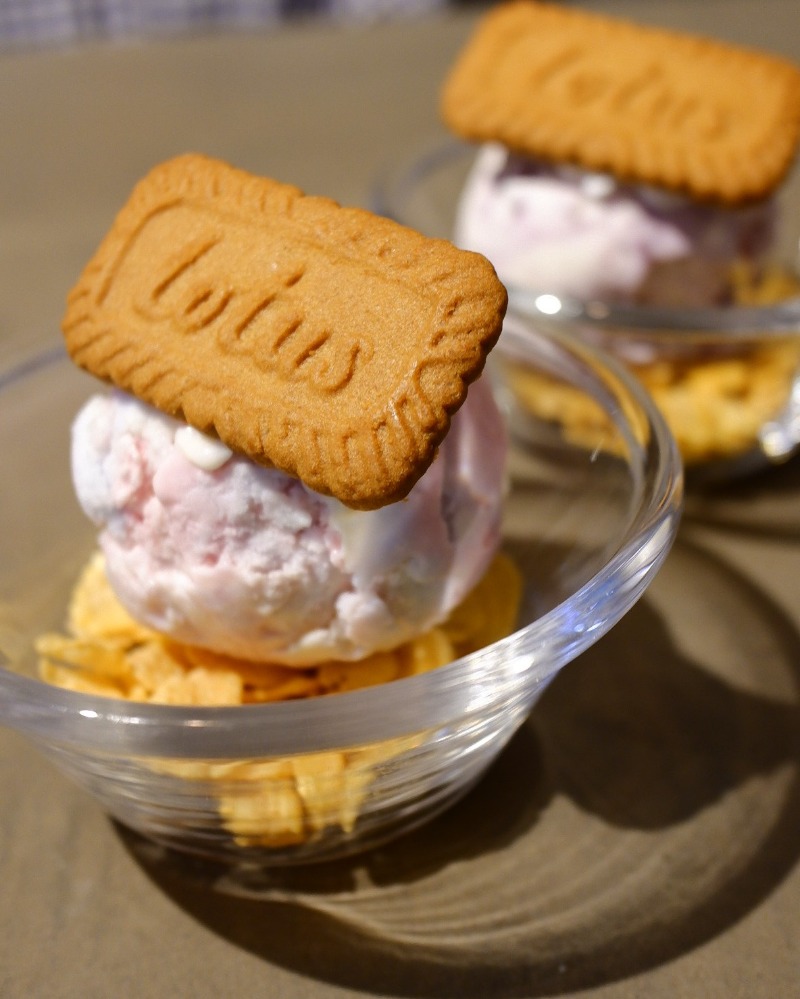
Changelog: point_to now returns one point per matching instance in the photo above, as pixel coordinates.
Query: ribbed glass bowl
(588, 522)
(727, 379)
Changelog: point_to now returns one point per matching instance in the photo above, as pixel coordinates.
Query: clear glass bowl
(588, 522)
(726, 379)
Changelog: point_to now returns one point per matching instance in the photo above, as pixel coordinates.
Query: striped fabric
(28, 23)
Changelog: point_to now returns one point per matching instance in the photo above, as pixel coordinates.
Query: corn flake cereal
(715, 404)
(716, 407)
(271, 803)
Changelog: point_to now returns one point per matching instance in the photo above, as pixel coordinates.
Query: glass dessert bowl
(726, 377)
(589, 518)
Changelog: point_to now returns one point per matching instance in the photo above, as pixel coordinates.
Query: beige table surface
(657, 785)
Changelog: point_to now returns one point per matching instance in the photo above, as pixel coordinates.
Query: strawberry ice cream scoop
(214, 550)
(559, 229)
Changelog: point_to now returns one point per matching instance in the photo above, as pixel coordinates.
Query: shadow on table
(650, 802)
(763, 505)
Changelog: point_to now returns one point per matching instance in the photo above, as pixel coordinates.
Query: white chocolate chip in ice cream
(201, 450)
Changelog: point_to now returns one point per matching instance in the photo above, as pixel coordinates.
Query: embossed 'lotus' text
(195, 294)
(647, 92)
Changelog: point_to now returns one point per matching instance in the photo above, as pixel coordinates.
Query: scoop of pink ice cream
(217, 551)
(585, 235)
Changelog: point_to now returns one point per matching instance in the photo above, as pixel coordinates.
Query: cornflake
(266, 803)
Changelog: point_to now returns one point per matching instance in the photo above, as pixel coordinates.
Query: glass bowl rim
(733, 321)
(412, 704)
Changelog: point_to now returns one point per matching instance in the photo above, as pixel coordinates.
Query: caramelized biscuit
(325, 341)
(716, 121)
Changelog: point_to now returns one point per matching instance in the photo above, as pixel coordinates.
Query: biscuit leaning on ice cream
(325, 341)
(712, 120)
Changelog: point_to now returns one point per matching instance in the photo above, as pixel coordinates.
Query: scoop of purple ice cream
(214, 550)
(567, 231)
